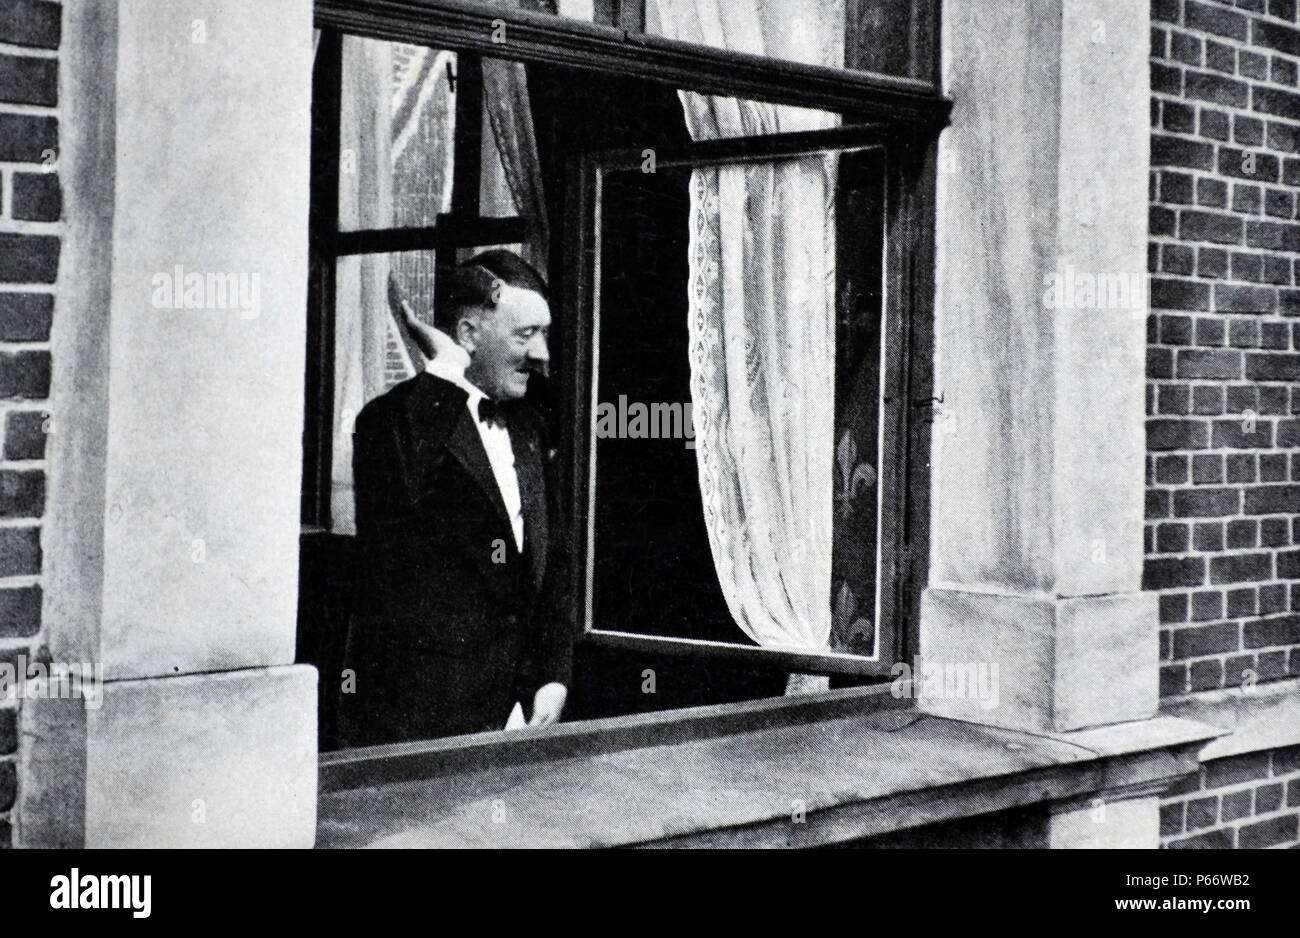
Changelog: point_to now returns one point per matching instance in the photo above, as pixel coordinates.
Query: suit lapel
(440, 419)
(467, 446)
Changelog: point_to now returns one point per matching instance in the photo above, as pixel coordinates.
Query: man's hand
(548, 704)
(428, 340)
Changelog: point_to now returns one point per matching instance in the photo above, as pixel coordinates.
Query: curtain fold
(510, 116)
(762, 329)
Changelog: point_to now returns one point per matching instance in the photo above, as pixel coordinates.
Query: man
(458, 616)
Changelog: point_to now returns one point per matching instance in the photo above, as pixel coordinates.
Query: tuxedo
(454, 622)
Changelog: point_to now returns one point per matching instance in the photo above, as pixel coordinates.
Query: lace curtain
(762, 329)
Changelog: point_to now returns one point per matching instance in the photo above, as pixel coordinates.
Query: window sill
(1265, 717)
(854, 763)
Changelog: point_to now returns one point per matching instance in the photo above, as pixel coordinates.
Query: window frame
(545, 38)
(896, 533)
(911, 112)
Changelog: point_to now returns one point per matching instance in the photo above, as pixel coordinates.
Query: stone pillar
(1038, 458)
(175, 461)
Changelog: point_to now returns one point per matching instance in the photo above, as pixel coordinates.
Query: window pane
(369, 353)
(891, 37)
(737, 415)
(807, 31)
(396, 134)
(403, 128)
(511, 182)
(886, 36)
(585, 10)
(495, 197)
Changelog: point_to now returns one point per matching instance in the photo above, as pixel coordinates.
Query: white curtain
(361, 299)
(762, 329)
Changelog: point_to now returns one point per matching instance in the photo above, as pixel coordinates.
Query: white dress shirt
(450, 365)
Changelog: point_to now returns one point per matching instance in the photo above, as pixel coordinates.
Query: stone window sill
(1267, 716)
(847, 764)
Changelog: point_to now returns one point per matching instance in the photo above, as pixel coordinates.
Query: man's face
(506, 346)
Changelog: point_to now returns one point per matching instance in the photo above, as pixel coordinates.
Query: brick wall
(1248, 801)
(1223, 369)
(1223, 390)
(30, 227)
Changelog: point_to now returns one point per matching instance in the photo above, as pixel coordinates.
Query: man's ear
(466, 334)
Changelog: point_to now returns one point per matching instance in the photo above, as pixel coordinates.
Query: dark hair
(469, 286)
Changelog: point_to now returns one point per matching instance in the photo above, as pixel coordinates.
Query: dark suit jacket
(452, 624)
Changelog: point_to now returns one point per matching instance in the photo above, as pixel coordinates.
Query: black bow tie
(491, 412)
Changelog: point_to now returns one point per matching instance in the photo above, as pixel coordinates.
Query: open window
(738, 253)
(746, 415)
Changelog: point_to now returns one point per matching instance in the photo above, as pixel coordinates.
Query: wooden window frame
(555, 40)
(898, 533)
(909, 111)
